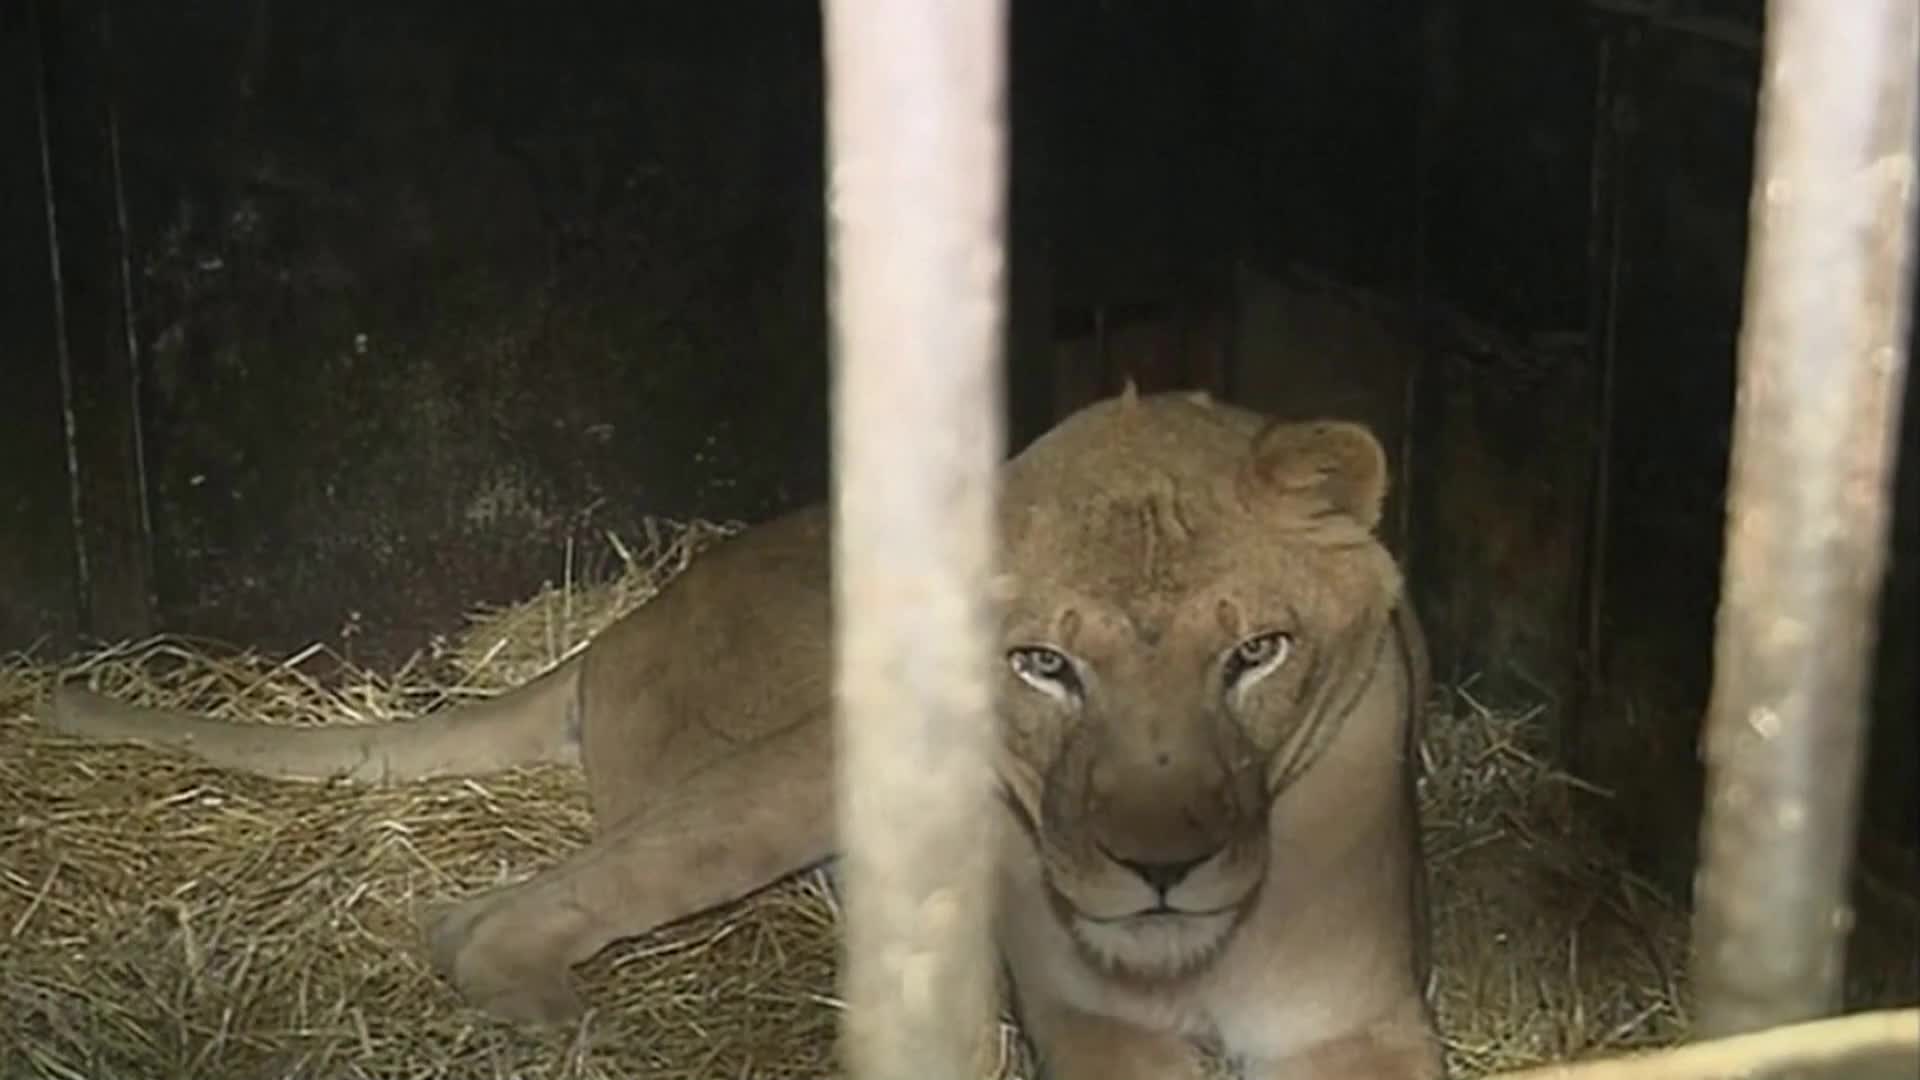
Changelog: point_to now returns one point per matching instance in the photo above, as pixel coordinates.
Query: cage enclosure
(369, 359)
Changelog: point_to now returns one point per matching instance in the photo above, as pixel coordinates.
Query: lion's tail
(534, 723)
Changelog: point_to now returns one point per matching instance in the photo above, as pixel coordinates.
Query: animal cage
(359, 315)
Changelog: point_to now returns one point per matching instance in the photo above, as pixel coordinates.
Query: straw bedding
(159, 918)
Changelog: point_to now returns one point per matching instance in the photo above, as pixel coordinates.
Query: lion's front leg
(1075, 1045)
(717, 837)
(472, 945)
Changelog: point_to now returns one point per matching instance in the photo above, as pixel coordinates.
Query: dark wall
(1892, 807)
(423, 291)
(1329, 143)
(1684, 124)
(1684, 108)
(38, 598)
(1143, 117)
(1578, 284)
(1588, 178)
(1503, 409)
(487, 282)
(1507, 110)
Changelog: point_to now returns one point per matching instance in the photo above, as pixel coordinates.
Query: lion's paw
(472, 947)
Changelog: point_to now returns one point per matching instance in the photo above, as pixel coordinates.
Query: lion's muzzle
(1150, 831)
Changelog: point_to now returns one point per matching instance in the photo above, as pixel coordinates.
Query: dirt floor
(159, 918)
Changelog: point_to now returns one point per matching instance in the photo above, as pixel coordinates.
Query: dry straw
(159, 918)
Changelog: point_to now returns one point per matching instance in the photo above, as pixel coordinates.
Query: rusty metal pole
(1822, 363)
(916, 193)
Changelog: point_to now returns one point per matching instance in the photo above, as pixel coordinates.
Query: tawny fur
(1198, 851)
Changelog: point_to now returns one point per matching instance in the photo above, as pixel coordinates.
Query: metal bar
(1610, 149)
(141, 492)
(1822, 364)
(1863, 1046)
(74, 91)
(916, 193)
(63, 355)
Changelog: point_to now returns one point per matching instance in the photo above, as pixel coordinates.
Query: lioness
(1211, 684)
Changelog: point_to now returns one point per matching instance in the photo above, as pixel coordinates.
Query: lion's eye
(1044, 669)
(1257, 656)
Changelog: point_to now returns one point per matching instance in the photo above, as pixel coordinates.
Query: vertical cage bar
(916, 192)
(1822, 362)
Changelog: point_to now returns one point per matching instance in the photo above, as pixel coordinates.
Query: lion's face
(1177, 640)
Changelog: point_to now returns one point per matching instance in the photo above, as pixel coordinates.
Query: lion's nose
(1163, 875)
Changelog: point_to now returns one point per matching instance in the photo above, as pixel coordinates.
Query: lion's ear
(1322, 467)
